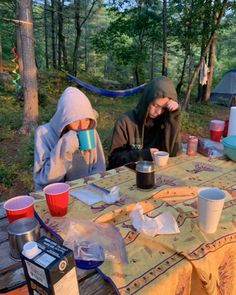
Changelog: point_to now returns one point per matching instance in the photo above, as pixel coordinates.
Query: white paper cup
(161, 158)
(210, 205)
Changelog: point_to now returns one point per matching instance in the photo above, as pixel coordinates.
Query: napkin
(162, 224)
(92, 194)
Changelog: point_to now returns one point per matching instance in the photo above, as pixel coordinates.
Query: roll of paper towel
(232, 122)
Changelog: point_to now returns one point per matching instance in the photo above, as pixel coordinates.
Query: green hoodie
(132, 139)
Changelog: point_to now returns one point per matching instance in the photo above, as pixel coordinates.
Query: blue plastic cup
(86, 139)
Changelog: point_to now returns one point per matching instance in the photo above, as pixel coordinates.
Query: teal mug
(86, 139)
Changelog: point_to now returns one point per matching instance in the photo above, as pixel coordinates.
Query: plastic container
(229, 143)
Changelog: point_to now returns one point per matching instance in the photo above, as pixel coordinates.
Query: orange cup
(57, 196)
(19, 207)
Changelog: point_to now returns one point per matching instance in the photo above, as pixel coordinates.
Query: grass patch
(11, 112)
(8, 173)
(25, 152)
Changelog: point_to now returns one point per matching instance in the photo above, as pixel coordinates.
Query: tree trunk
(186, 44)
(1, 67)
(64, 53)
(60, 27)
(53, 31)
(152, 60)
(77, 36)
(179, 86)
(19, 49)
(29, 68)
(165, 53)
(197, 69)
(211, 68)
(136, 74)
(86, 45)
(61, 39)
(78, 25)
(205, 36)
(211, 55)
(86, 48)
(46, 33)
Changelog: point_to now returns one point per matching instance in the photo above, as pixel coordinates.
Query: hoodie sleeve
(121, 151)
(51, 165)
(172, 134)
(100, 164)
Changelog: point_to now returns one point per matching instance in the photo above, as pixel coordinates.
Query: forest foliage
(110, 44)
(123, 40)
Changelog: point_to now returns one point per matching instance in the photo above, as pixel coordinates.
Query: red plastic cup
(216, 129)
(57, 196)
(216, 135)
(217, 125)
(225, 132)
(19, 207)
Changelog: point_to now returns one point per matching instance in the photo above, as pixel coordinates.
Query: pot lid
(145, 166)
(22, 226)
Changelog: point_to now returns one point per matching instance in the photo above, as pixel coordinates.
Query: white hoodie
(58, 158)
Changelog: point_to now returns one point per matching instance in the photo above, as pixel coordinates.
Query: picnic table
(189, 262)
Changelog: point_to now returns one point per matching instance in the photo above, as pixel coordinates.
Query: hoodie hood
(156, 88)
(73, 105)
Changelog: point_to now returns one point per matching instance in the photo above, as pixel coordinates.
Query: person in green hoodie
(154, 124)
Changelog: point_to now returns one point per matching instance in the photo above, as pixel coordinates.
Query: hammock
(106, 92)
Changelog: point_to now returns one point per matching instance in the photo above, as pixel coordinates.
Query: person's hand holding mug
(152, 151)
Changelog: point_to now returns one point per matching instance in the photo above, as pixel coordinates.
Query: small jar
(145, 174)
(192, 146)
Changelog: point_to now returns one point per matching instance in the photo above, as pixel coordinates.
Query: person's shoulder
(126, 115)
(42, 129)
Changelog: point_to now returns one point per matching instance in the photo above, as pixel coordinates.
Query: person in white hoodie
(57, 157)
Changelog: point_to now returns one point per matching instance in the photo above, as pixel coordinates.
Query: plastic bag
(94, 241)
(210, 148)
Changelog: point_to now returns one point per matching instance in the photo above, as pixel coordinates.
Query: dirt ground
(12, 145)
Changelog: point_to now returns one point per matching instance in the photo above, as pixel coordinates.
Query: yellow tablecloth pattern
(187, 263)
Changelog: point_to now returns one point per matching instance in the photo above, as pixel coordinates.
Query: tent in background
(225, 92)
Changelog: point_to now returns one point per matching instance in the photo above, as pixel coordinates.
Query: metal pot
(21, 231)
(145, 174)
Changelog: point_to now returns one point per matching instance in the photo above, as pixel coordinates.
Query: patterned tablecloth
(190, 262)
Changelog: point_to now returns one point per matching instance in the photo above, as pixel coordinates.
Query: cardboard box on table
(52, 270)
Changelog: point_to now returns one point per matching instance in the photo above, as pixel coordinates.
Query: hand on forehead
(165, 102)
(161, 101)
